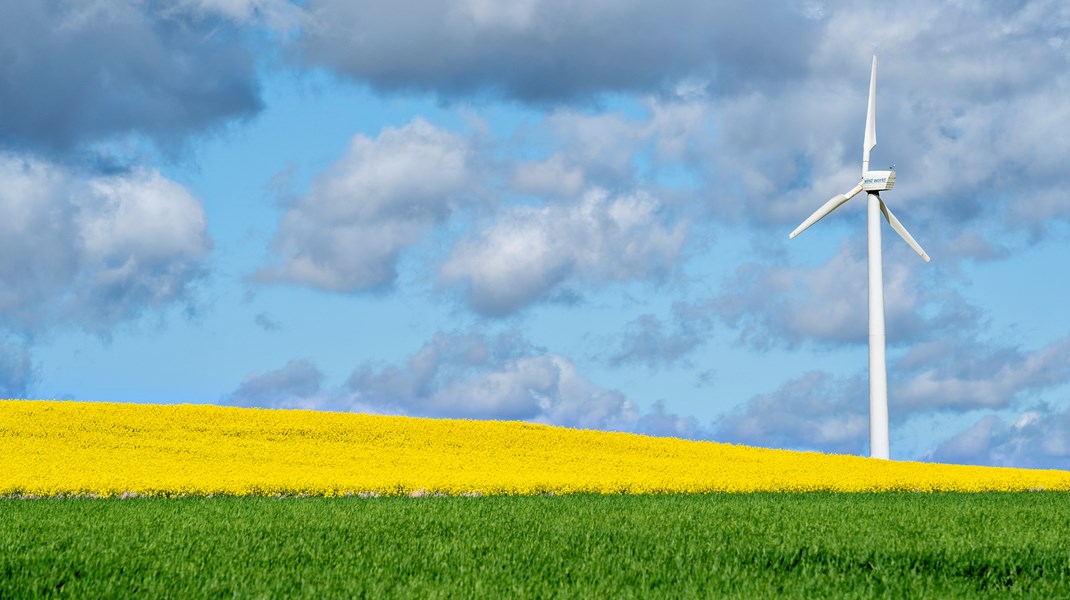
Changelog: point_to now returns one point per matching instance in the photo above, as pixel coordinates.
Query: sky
(549, 211)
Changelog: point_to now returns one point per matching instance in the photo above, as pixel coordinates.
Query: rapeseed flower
(50, 448)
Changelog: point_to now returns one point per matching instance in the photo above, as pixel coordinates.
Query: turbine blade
(902, 231)
(871, 118)
(828, 207)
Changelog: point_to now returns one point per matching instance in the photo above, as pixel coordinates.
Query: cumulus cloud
(459, 375)
(531, 252)
(941, 375)
(102, 247)
(768, 155)
(602, 145)
(662, 423)
(469, 376)
(647, 340)
(965, 117)
(296, 385)
(383, 195)
(617, 150)
(821, 412)
(553, 177)
(553, 50)
(828, 305)
(1037, 439)
(814, 412)
(73, 73)
(277, 14)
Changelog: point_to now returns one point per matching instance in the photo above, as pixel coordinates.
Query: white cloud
(603, 145)
(531, 251)
(649, 341)
(821, 412)
(80, 73)
(615, 150)
(966, 118)
(662, 423)
(551, 50)
(553, 177)
(813, 412)
(143, 215)
(941, 375)
(511, 16)
(93, 250)
(382, 196)
(470, 376)
(1037, 439)
(828, 304)
(277, 14)
(296, 385)
(681, 126)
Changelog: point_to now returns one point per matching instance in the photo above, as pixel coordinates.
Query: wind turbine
(873, 182)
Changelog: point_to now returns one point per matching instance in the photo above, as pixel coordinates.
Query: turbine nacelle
(878, 181)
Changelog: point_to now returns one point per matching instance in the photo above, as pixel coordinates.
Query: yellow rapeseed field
(103, 449)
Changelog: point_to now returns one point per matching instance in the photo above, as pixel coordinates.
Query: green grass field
(747, 545)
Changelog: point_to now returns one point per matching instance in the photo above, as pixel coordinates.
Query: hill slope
(70, 448)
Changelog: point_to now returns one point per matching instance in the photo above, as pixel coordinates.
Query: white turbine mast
(873, 182)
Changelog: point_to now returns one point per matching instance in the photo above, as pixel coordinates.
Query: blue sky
(566, 213)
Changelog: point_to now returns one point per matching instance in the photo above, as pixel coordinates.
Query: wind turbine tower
(873, 183)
